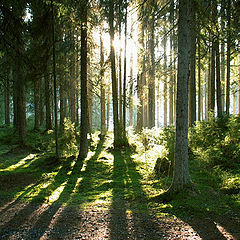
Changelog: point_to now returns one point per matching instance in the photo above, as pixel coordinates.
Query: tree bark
(47, 102)
(84, 101)
(36, 104)
(103, 91)
(228, 56)
(151, 87)
(7, 102)
(192, 66)
(73, 79)
(116, 124)
(181, 177)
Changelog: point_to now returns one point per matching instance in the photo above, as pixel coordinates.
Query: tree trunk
(47, 102)
(54, 83)
(228, 56)
(131, 92)
(7, 102)
(199, 83)
(125, 75)
(218, 82)
(239, 85)
(181, 177)
(151, 87)
(171, 94)
(192, 66)
(73, 79)
(165, 86)
(103, 102)
(36, 104)
(116, 123)
(84, 101)
(62, 103)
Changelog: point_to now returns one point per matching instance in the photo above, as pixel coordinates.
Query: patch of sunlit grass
(56, 193)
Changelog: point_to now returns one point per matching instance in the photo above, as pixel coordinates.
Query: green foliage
(67, 139)
(217, 141)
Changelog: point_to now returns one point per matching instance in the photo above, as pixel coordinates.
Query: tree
(84, 102)
(192, 66)
(181, 176)
(118, 139)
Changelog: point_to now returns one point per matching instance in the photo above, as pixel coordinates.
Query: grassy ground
(107, 175)
(120, 180)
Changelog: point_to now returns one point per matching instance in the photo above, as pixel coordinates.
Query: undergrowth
(129, 174)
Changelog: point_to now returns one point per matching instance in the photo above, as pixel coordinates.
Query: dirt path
(42, 221)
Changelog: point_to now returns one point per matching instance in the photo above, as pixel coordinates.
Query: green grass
(109, 179)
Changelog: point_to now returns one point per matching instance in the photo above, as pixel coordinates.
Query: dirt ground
(20, 220)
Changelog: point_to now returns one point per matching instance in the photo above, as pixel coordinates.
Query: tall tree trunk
(181, 177)
(228, 56)
(73, 79)
(103, 94)
(62, 106)
(84, 94)
(218, 82)
(222, 54)
(213, 68)
(171, 94)
(36, 104)
(125, 74)
(54, 83)
(151, 87)
(47, 102)
(131, 92)
(108, 106)
(41, 102)
(77, 89)
(192, 66)
(165, 86)
(239, 85)
(7, 102)
(116, 124)
(199, 82)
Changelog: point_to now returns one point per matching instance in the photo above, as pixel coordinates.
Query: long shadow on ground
(126, 222)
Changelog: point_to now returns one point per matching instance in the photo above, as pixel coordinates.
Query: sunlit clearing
(56, 194)
(20, 163)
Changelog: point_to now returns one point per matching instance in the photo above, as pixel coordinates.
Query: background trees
(125, 68)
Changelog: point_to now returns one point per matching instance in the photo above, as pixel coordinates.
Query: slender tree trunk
(181, 177)
(131, 92)
(222, 54)
(103, 102)
(108, 106)
(218, 82)
(54, 83)
(41, 103)
(165, 86)
(228, 56)
(47, 102)
(62, 102)
(116, 123)
(36, 104)
(7, 102)
(73, 79)
(199, 82)
(213, 68)
(120, 64)
(151, 88)
(239, 85)
(125, 76)
(171, 97)
(84, 101)
(192, 59)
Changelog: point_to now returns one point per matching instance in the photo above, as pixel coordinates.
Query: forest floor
(104, 197)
